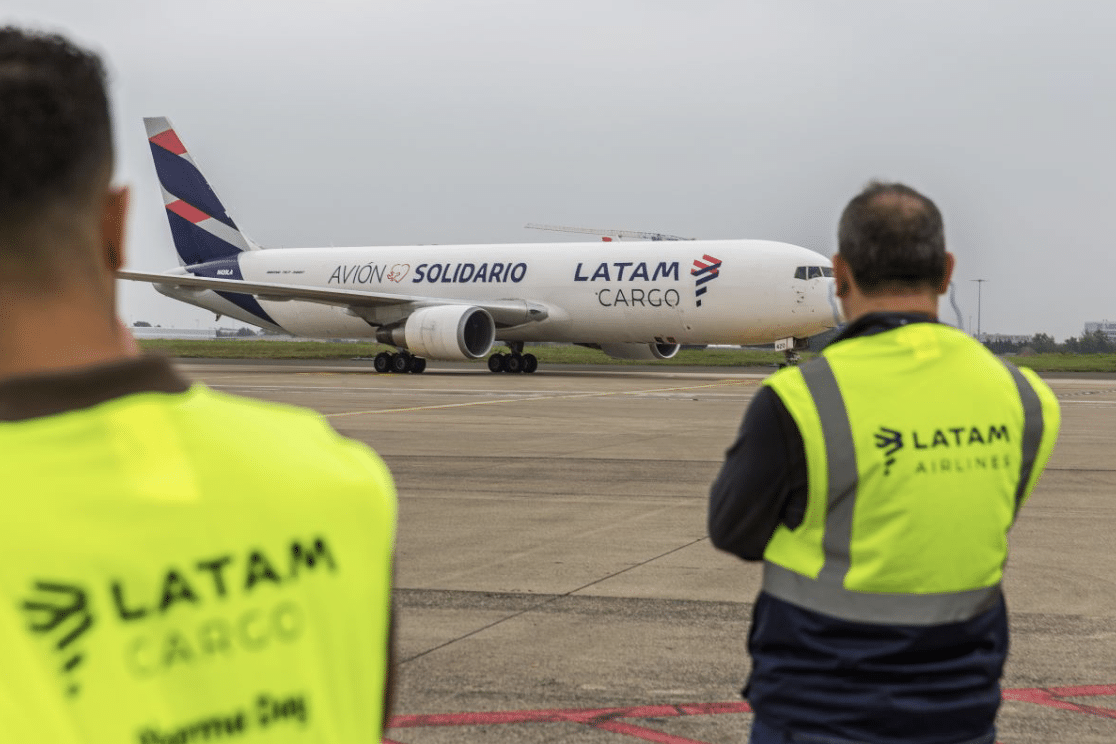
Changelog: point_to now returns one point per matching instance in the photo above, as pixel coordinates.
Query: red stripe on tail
(187, 212)
(169, 141)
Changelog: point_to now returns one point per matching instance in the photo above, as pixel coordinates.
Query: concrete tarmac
(555, 581)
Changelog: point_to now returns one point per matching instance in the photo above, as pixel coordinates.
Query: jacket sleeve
(762, 482)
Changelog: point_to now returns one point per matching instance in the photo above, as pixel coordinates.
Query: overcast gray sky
(387, 123)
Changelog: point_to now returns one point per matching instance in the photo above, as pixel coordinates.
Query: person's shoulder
(1042, 389)
(765, 401)
(966, 344)
(280, 431)
(789, 373)
(239, 412)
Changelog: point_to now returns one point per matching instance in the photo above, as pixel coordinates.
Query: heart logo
(398, 272)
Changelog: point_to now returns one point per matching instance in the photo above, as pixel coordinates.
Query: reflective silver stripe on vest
(827, 594)
(1032, 430)
(866, 607)
(841, 472)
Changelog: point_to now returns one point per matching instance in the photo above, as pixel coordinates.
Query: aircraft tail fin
(200, 226)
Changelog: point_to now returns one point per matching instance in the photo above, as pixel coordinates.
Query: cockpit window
(812, 272)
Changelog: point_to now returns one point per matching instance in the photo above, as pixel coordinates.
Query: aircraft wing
(368, 305)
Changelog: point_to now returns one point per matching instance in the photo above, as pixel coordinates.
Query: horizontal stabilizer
(505, 313)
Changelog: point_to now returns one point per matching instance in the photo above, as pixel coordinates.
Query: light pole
(980, 284)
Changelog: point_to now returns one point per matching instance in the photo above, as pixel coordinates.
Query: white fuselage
(634, 292)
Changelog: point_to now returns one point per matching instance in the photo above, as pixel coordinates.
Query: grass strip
(263, 349)
(267, 349)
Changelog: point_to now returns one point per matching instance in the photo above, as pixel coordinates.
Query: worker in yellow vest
(178, 565)
(877, 483)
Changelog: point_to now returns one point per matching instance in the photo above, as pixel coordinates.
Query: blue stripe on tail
(183, 180)
(195, 245)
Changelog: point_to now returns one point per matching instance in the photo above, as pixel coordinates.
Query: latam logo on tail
(706, 269)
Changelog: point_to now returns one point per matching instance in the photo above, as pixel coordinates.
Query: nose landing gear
(790, 348)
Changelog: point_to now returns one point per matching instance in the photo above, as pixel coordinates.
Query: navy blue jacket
(814, 674)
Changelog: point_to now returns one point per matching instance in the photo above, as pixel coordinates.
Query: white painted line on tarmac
(560, 396)
(1063, 402)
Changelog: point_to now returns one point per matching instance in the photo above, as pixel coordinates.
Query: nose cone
(818, 298)
(832, 304)
(813, 288)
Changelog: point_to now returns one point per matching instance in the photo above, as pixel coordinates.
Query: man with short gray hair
(877, 483)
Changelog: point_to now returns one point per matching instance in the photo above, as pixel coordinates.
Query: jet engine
(449, 332)
(640, 352)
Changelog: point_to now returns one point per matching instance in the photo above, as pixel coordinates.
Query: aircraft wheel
(418, 365)
(513, 364)
(496, 363)
(382, 362)
(400, 363)
(530, 363)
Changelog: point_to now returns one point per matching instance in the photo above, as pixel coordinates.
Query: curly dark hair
(55, 130)
(890, 235)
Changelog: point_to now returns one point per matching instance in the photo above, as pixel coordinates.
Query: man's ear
(950, 262)
(113, 220)
(843, 274)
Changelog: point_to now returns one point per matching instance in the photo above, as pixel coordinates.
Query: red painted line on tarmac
(712, 709)
(609, 719)
(568, 715)
(495, 718)
(1051, 698)
(1083, 691)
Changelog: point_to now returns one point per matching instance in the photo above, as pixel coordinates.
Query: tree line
(1088, 343)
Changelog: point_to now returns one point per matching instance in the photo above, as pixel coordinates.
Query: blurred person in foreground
(877, 483)
(177, 564)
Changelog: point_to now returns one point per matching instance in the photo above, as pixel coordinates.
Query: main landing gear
(515, 362)
(400, 362)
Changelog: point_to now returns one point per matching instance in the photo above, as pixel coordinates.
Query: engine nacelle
(449, 332)
(640, 352)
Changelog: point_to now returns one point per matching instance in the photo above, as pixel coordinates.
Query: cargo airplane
(637, 301)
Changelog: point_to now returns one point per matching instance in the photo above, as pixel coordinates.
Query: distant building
(241, 334)
(179, 334)
(1003, 338)
(1108, 328)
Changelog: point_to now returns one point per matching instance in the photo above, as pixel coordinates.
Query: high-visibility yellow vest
(921, 446)
(192, 567)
